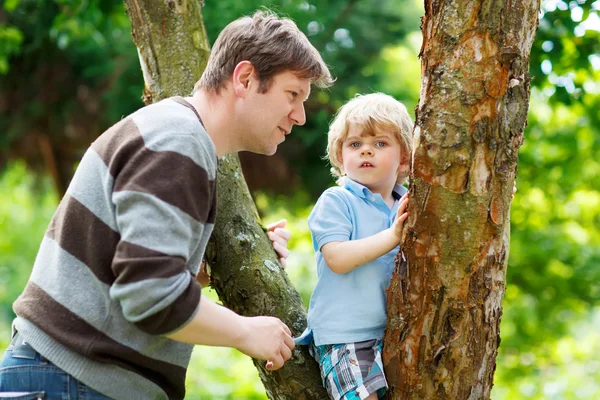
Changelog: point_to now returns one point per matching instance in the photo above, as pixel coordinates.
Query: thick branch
(172, 45)
(249, 279)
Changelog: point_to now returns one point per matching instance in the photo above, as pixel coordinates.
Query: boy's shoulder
(337, 191)
(334, 203)
(337, 196)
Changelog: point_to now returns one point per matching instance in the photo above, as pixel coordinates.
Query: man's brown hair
(272, 44)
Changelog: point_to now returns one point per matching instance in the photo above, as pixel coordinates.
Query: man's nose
(298, 115)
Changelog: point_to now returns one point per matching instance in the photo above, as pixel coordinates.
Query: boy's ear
(243, 78)
(404, 167)
(341, 162)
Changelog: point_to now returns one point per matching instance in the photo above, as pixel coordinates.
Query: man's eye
(294, 95)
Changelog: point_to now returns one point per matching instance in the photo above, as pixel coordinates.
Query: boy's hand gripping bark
(401, 216)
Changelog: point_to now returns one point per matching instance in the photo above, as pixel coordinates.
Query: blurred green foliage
(70, 70)
(26, 206)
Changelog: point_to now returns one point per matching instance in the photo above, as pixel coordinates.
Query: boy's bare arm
(343, 257)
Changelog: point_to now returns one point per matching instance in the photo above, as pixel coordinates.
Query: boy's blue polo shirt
(351, 307)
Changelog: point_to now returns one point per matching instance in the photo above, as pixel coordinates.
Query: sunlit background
(69, 69)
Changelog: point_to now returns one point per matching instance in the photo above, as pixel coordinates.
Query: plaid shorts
(351, 371)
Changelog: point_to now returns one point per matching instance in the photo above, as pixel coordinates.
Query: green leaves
(10, 43)
(26, 207)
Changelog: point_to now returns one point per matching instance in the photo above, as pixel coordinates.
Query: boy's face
(372, 160)
(269, 117)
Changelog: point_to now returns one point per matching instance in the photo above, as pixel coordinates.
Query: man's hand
(280, 236)
(401, 216)
(267, 338)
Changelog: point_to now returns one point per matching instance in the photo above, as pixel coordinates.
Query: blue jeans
(25, 372)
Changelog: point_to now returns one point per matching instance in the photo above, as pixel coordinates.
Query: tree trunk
(248, 278)
(173, 49)
(444, 302)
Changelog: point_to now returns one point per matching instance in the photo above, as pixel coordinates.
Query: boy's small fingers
(284, 233)
(403, 205)
(279, 224)
(281, 250)
(275, 238)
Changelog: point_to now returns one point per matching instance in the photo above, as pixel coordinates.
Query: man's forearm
(265, 338)
(213, 325)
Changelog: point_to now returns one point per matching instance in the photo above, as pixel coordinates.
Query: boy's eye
(355, 144)
(380, 144)
(294, 95)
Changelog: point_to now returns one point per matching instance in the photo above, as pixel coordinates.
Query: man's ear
(243, 78)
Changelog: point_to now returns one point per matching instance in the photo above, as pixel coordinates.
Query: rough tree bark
(173, 49)
(444, 303)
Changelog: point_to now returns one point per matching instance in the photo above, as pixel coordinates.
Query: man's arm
(265, 338)
(153, 284)
(343, 257)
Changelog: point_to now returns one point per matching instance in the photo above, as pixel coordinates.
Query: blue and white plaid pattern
(351, 371)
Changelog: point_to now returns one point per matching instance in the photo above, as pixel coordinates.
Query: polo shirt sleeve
(330, 220)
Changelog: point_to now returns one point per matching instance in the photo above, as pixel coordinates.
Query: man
(112, 300)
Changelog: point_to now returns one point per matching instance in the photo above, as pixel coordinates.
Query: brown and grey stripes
(119, 263)
(116, 268)
(73, 285)
(137, 168)
(72, 331)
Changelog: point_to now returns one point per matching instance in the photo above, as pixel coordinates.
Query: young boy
(356, 229)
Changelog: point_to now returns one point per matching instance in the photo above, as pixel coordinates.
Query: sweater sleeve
(163, 201)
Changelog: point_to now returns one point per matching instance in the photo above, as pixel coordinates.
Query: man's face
(270, 116)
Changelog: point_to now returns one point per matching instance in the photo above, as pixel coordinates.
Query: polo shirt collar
(364, 192)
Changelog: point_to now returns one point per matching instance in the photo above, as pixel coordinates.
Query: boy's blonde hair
(373, 113)
(272, 44)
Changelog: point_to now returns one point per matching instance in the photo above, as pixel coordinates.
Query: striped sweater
(116, 268)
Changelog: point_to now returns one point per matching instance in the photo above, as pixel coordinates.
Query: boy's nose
(367, 151)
